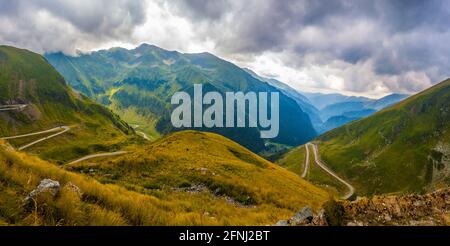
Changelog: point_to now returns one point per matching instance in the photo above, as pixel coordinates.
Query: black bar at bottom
(223, 235)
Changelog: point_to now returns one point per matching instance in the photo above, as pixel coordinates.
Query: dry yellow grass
(264, 192)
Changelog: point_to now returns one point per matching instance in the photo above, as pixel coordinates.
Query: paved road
(12, 107)
(98, 155)
(351, 189)
(65, 129)
(143, 135)
(305, 171)
(59, 128)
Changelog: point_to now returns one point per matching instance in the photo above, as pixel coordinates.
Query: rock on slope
(413, 210)
(431, 209)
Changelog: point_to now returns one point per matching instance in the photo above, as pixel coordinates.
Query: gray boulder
(46, 185)
(303, 217)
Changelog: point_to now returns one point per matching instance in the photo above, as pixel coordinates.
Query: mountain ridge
(140, 82)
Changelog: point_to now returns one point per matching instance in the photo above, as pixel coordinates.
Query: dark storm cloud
(52, 25)
(261, 25)
(396, 45)
(395, 36)
(205, 9)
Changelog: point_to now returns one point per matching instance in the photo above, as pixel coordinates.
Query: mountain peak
(147, 47)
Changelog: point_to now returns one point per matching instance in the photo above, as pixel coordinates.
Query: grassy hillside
(173, 181)
(404, 148)
(211, 171)
(27, 78)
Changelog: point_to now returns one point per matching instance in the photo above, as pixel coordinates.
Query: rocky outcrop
(46, 185)
(305, 217)
(52, 187)
(413, 210)
(302, 217)
(429, 209)
(319, 219)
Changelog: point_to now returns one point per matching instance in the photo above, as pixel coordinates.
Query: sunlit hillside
(158, 185)
(217, 175)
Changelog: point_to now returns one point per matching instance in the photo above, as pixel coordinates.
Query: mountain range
(138, 85)
(329, 111)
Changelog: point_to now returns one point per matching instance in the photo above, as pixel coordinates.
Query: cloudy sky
(357, 47)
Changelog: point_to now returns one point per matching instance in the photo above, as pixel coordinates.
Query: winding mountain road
(141, 133)
(98, 155)
(305, 171)
(351, 189)
(59, 128)
(12, 107)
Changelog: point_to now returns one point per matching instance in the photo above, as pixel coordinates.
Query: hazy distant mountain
(321, 100)
(139, 83)
(344, 118)
(328, 111)
(386, 101)
(286, 88)
(336, 109)
(302, 101)
(340, 108)
(337, 121)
